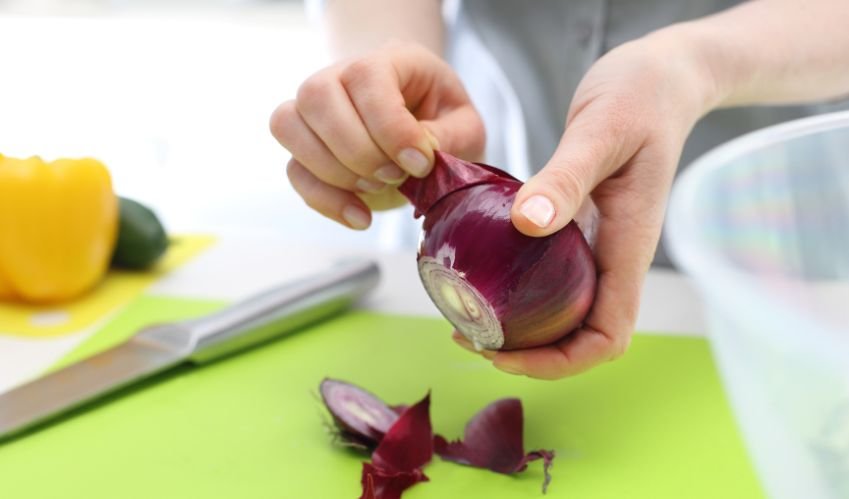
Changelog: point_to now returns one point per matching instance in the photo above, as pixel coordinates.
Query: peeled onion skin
(539, 289)
(361, 418)
(494, 439)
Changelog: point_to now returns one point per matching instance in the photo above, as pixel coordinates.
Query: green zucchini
(142, 239)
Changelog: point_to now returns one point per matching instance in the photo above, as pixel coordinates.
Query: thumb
(589, 151)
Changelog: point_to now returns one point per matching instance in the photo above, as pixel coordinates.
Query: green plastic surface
(143, 311)
(654, 424)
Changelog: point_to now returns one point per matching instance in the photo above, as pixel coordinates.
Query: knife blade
(157, 348)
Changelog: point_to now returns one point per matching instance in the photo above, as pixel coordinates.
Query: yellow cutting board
(117, 289)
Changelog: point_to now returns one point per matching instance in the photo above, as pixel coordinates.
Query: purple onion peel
(361, 418)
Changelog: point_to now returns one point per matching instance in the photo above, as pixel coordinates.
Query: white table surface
(238, 266)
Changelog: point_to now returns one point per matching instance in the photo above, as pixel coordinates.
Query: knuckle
(282, 121)
(395, 134)
(313, 92)
(599, 145)
(359, 70)
(295, 174)
(624, 126)
(312, 202)
(621, 117)
(358, 158)
(311, 195)
(619, 346)
(477, 138)
(301, 181)
(311, 190)
(568, 184)
(337, 177)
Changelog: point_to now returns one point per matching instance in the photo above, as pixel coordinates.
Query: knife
(161, 347)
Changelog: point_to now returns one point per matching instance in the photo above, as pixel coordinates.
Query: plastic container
(762, 225)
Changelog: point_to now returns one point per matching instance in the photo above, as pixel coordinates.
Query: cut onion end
(361, 417)
(462, 304)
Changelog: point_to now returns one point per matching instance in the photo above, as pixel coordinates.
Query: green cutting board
(654, 424)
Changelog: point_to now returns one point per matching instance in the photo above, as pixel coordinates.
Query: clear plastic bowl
(762, 225)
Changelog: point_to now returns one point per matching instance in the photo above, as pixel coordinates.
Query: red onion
(501, 289)
(361, 418)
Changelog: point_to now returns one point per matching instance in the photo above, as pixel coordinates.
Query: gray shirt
(521, 61)
(544, 47)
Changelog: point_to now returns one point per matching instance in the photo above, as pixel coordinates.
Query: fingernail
(414, 162)
(434, 143)
(390, 174)
(367, 185)
(507, 368)
(488, 354)
(539, 210)
(356, 217)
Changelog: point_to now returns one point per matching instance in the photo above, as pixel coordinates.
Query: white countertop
(237, 267)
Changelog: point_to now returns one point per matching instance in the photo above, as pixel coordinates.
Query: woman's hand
(613, 170)
(357, 128)
(625, 131)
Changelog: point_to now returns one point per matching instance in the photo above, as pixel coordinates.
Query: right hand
(357, 128)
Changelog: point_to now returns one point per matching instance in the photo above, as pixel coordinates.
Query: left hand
(625, 130)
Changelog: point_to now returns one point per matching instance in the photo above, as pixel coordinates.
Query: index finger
(398, 91)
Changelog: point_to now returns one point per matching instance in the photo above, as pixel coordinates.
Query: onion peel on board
(382, 484)
(361, 418)
(397, 462)
(493, 439)
(408, 445)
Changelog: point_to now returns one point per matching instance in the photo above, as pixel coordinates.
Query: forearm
(773, 51)
(357, 26)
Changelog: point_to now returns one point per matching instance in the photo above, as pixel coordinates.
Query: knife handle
(280, 310)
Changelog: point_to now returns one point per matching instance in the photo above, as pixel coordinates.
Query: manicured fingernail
(507, 368)
(367, 185)
(356, 217)
(390, 174)
(414, 162)
(539, 210)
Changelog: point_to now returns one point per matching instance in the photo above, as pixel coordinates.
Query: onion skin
(361, 418)
(397, 462)
(494, 440)
(404, 442)
(449, 175)
(539, 288)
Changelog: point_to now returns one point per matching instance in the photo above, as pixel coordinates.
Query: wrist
(706, 74)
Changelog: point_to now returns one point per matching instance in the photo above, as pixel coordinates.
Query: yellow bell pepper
(58, 224)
